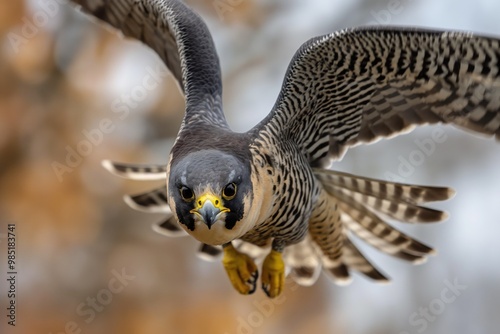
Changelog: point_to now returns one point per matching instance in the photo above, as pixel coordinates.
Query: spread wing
(357, 86)
(178, 36)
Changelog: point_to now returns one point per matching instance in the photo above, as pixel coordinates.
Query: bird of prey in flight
(270, 190)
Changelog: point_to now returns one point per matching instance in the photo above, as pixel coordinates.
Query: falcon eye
(229, 192)
(186, 194)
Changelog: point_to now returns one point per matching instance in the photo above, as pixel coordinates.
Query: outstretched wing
(357, 86)
(179, 37)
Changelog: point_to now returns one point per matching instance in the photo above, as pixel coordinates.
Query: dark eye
(186, 194)
(229, 191)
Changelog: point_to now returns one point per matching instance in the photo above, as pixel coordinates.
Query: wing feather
(356, 260)
(136, 171)
(154, 201)
(383, 189)
(169, 227)
(360, 85)
(181, 39)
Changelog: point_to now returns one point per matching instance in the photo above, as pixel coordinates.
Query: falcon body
(271, 187)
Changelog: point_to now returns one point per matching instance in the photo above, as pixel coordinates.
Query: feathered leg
(326, 230)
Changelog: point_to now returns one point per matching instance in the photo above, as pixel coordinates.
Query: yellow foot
(241, 270)
(273, 274)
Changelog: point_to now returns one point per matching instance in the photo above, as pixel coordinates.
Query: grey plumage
(343, 89)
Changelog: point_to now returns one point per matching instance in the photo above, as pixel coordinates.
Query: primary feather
(360, 85)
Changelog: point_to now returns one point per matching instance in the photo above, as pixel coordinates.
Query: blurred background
(89, 264)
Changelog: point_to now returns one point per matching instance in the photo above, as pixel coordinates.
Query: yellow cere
(216, 202)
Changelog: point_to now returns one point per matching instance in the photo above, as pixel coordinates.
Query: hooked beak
(209, 207)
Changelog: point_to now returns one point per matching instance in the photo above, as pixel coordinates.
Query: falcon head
(211, 193)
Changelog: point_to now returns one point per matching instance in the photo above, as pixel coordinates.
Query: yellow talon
(241, 270)
(273, 274)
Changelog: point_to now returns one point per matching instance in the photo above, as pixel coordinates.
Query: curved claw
(241, 270)
(273, 274)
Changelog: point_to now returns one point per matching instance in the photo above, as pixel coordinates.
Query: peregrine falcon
(271, 190)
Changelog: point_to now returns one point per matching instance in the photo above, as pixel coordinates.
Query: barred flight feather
(397, 201)
(410, 251)
(135, 171)
(154, 201)
(303, 260)
(336, 270)
(209, 253)
(169, 227)
(379, 234)
(355, 260)
(395, 209)
(415, 194)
